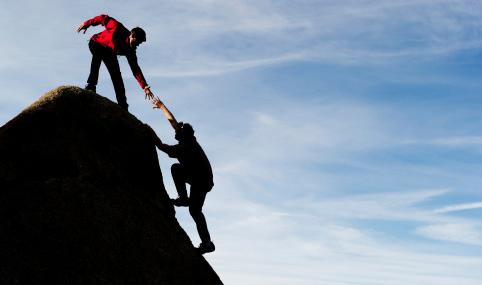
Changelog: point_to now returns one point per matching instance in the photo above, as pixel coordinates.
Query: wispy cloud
(242, 35)
(460, 232)
(227, 37)
(400, 206)
(473, 143)
(212, 68)
(319, 249)
(459, 207)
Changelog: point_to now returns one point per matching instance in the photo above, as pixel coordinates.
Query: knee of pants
(196, 212)
(120, 89)
(176, 168)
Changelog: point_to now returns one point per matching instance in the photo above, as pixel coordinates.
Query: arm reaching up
(170, 150)
(170, 117)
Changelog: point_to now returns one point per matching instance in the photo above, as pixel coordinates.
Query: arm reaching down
(137, 72)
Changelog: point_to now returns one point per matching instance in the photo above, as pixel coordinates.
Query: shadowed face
(178, 135)
(185, 132)
(133, 41)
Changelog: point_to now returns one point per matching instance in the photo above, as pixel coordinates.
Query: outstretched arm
(137, 72)
(170, 117)
(99, 20)
(172, 151)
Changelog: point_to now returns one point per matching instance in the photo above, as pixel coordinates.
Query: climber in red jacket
(106, 45)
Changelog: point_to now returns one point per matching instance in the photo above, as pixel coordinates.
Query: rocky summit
(82, 199)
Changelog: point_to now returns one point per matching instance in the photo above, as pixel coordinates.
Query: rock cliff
(82, 199)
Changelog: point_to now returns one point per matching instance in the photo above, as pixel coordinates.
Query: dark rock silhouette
(82, 199)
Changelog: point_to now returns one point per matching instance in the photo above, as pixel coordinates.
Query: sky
(345, 136)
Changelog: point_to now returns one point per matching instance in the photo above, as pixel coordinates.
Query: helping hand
(82, 27)
(149, 94)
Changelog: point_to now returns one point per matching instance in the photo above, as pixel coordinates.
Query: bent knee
(176, 168)
(195, 211)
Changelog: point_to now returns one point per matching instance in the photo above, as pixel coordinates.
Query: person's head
(185, 132)
(137, 37)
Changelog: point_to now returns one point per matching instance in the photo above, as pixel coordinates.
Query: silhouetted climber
(106, 45)
(193, 168)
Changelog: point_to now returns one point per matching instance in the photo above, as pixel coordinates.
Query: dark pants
(196, 199)
(105, 54)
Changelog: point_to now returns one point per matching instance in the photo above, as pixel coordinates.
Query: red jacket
(116, 37)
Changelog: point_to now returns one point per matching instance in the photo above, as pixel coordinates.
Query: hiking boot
(180, 202)
(206, 247)
(90, 87)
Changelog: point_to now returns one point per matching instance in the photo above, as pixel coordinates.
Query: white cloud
(454, 142)
(460, 232)
(401, 206)
(213, 67)
(459, 207)
(321, 250)
(227, 37)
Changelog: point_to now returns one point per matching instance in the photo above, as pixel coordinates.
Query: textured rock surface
(82, 199)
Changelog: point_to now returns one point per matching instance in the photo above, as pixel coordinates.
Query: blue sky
(345, 136)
